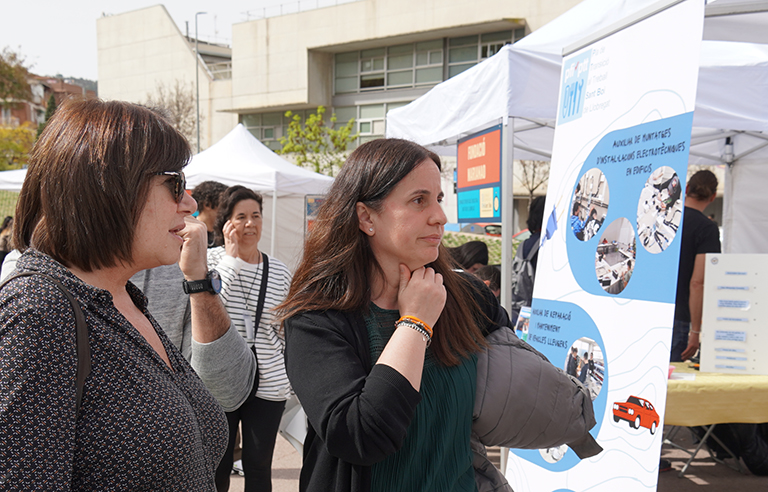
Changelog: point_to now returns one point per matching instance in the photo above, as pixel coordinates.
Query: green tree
(49, 110)
(315, 145)
(13, 78)
(15, 144)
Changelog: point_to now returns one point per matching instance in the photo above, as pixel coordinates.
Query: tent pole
(274, 223)
(507, 212)
(507, 223)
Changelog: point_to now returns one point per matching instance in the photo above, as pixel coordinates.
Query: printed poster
(607, 270)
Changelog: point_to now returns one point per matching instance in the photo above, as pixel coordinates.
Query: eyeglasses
(179, 183)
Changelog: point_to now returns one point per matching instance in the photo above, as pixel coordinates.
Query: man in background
(206, 194)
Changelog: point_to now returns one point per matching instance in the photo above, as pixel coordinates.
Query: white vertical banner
(607, 268)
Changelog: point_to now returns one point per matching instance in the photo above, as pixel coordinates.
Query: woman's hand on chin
(231, 245)
(421, 294)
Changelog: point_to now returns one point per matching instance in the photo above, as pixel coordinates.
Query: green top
(435, 455)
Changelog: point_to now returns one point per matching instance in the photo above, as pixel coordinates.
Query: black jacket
(357, 415)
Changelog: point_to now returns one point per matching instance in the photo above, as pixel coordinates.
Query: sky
(59, 36)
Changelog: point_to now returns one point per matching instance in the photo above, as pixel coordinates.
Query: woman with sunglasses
(103, 199)
(251, 285)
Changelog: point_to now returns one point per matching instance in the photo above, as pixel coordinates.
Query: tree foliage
(13, 77)
(315, 145)
(532, 175)
(178, 99)
(49, 110)
(15, 144)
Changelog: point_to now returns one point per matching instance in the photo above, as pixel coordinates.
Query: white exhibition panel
(613, 290)
(735, 314)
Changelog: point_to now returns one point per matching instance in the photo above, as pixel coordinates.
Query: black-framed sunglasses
(179, 183)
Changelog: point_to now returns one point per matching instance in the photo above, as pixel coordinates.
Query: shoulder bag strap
(533, 250)
(262, 290)
(83, 348)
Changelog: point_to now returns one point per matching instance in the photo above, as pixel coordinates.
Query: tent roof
(522, 81)
(239, 158)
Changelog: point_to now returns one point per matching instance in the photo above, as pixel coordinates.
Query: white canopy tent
(239, 158)
(519, 87)
(12, 180)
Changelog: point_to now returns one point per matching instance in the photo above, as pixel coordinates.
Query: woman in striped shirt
(242, 267)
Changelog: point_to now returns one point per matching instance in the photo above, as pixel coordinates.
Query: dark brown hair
(88, 181)
(207, 194)
(338, 265)
(702, 185)
(469, 254)
(228, 199)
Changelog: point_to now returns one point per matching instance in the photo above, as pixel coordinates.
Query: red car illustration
(638, 412)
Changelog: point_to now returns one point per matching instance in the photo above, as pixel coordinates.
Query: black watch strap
(211, 283)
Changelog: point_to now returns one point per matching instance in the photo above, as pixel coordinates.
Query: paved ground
(704, 475)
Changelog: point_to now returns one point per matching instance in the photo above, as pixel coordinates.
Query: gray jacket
(227, 366)
(511, 412)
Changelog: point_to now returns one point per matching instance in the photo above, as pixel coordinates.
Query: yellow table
(714, 398)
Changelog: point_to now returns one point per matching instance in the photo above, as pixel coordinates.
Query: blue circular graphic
(564, 317)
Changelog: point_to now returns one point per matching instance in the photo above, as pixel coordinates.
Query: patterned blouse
(142, 426)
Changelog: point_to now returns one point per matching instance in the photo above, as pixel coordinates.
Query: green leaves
(13, 77)
(316, 145)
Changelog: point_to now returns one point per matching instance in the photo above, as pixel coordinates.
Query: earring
(370, 229)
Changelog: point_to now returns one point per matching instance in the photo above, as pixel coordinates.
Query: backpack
(522, 277)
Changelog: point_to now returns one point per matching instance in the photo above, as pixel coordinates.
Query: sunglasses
(179, 183)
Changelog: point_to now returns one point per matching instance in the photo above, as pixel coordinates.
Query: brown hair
(702, 185)
(228, 199)
(88, 181)
(338, 265)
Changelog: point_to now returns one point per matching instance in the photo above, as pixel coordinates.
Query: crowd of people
(194, 335)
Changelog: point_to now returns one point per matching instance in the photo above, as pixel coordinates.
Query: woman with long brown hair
(381, 332)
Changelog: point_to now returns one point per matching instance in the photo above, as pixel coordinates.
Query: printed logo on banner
(574, 87)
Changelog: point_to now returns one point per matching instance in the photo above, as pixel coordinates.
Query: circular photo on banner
(615, 256)
(585, 362)
(590, 204)
(659, 210)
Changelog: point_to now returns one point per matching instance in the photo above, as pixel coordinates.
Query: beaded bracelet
(418, 322)
(409, 323)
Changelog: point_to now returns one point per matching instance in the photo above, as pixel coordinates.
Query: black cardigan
(357, 416)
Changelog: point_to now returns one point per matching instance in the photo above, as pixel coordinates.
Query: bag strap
(262, 290)
(533, 251)
(81, 335)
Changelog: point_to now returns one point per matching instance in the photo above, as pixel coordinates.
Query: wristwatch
(211, 283)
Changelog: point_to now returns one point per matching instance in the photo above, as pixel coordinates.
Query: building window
(269, 127)
(415, 64)
(394, 67)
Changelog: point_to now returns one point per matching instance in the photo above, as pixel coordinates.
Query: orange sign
(479, 160)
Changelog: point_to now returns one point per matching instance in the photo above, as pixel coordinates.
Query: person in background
(577, 224)
(700, 236)
(386, 410)
(573, 363)
(471, 256)
(534, 223)
(145, 420)
(584, 369)
(206, 194)
(243, 267)
(491, 276)
(5, 237)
